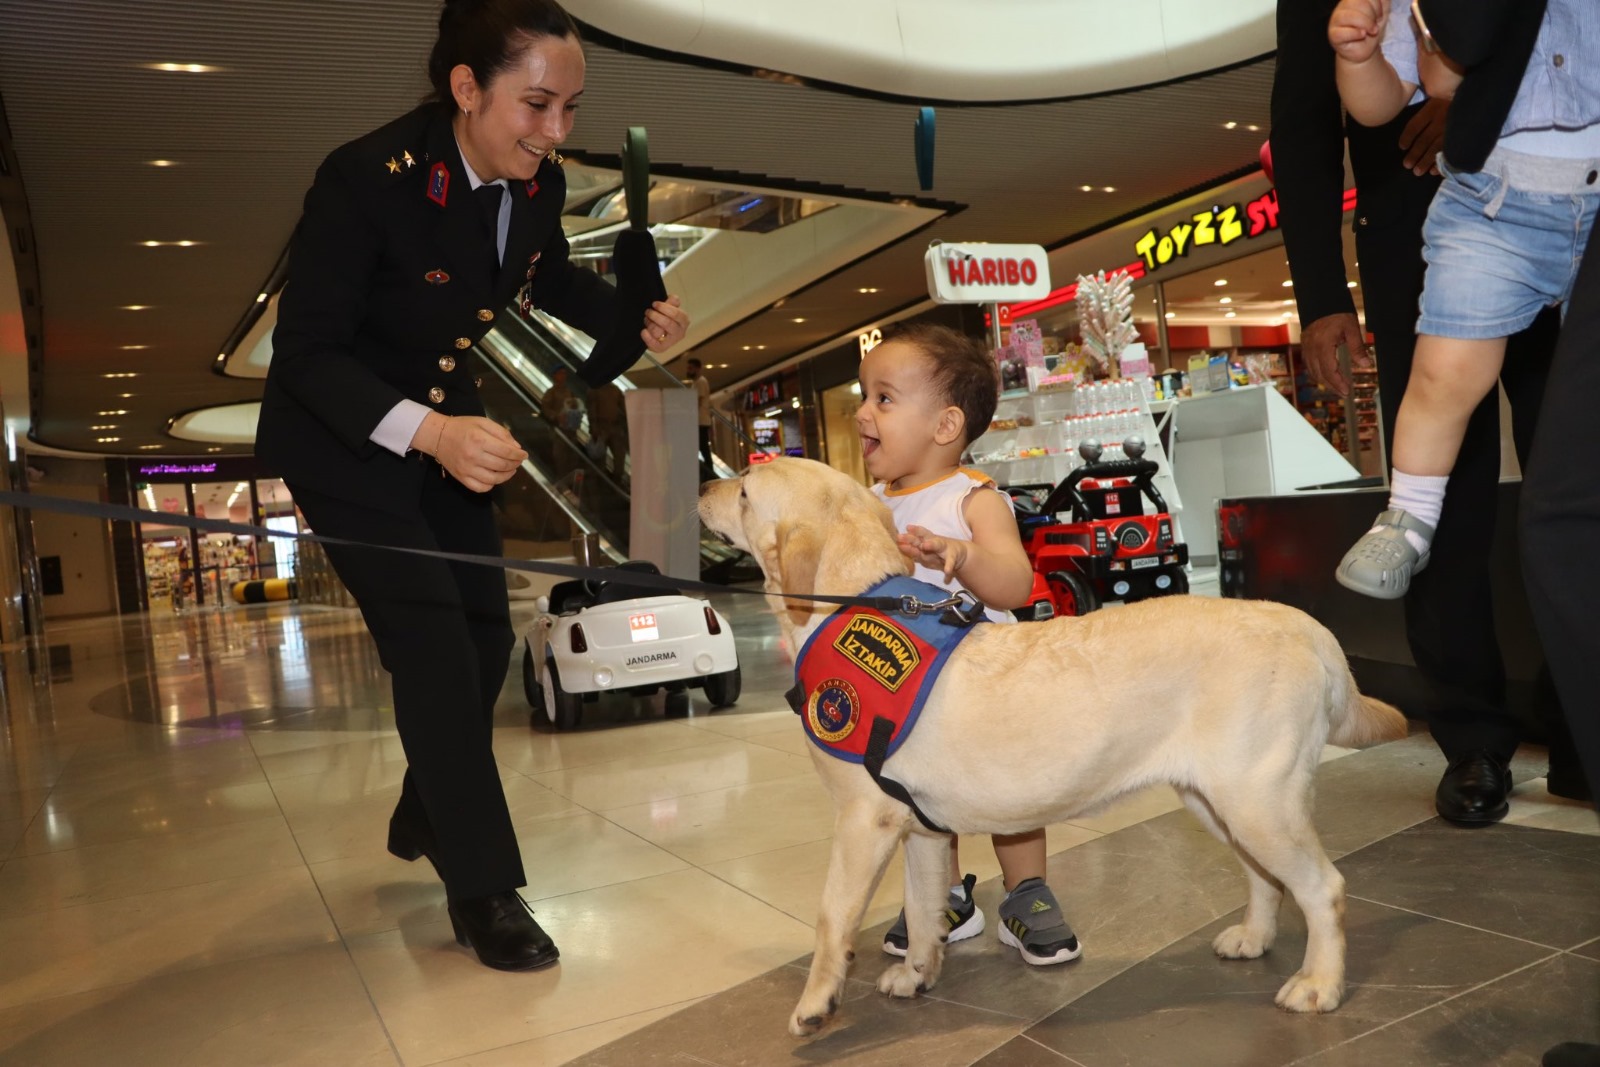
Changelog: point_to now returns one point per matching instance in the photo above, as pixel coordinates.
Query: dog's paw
(1241, 943)
(1308, 993)
(805, 1021)
(901, 980)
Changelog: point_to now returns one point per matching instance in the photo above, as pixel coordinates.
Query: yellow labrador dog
(1237, 727)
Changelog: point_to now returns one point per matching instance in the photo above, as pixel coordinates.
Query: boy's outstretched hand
(944, 554)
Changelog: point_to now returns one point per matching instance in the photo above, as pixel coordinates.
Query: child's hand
(944, 554)
(1356, 29)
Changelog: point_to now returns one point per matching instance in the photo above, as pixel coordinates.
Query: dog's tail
(1354, 721)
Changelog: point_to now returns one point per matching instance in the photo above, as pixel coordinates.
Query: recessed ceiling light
(182, 68)
(746, 348)
(867, 289)
(1349, 285)
(1087, 188)
(136, 307)
(121, 374)
(119, 411)
(148, 447)
(1110, 189)
(127, 396)
(107, 440)
(1220, 281)
(1288, 284)
(106, 427)
(797, 320)
(1231, 315)
(133, 348)
(761, 348)
(1172, 314)
(1253, 128)
(1226, 300)
(1288, 301)
(163, 162)
(1229, 125)
(213, 450)
(169, 244)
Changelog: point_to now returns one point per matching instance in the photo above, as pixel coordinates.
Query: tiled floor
(192, 872)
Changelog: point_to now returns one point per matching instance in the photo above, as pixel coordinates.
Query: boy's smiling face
(905, 425)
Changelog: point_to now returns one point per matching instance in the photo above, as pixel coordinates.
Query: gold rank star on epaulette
(393, 165)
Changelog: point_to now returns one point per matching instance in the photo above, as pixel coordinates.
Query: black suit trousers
(443, 632)
(1561, 517)
(1450, 608)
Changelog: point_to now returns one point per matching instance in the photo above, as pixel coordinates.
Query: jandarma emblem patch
(834, 709)
(879, 648)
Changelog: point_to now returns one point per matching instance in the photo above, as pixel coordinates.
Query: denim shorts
(1504, 242)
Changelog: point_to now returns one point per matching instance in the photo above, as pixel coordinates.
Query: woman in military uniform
(414, 240)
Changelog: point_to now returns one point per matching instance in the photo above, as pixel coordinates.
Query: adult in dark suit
(414, 240)
(1449, 609)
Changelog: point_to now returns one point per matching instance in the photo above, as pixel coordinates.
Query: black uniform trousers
(1561, 517)
(443, 632)
(1450, 608)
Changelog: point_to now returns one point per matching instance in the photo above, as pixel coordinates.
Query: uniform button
(485, 315)
(447, 363)
(436, 395)
(1593, 174)
(1363, 220)
(1560, 60)
(478, 382)
(463, 342)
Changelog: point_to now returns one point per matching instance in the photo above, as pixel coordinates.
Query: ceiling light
(1226, 300)
(1087, 188)
(107, 440)
(1288, 314)
(110, 427)
(746, 348)
(1229, 125)
(1231, 315)
(136, 307)
(168, 244)
(1288, 301)
(182, 68)
(1110, 189)
(163, 163)
(1172, 314)
(871, 289)
(132, 348)
(119, 411)
(121, 374)
(213, 450)
(148, 447)
(1349, 285)
(795, 403)
(1288, 284)
(797, 320)
(761, 348)
(127, 396)
(1220, 281)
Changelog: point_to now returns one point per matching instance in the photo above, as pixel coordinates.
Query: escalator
(572, 485)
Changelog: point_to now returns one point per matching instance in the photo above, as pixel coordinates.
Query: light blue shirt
(1560, 90)
(1399, 47)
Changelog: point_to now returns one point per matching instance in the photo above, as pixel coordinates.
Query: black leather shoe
(502, 931)
(1474, 789)
(1572, 1054)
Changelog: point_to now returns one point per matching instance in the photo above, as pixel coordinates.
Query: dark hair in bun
(490, 36)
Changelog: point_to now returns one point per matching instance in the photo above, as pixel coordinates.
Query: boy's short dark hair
(963, 370)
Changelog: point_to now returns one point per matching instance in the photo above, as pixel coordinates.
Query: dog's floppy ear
(789, 558)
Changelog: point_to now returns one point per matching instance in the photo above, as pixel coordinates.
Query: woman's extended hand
(665, 324)
(477, 452)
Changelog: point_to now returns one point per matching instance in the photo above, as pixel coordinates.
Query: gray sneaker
(1031, 922)
(1381, 563)
(963, 918)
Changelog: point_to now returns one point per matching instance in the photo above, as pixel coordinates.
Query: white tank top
(938, 507)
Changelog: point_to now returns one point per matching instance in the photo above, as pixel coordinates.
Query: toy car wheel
(533, 689)
(722, 690)
(1073, 595)
(678, 703)
(1180, 582)
(568, 706)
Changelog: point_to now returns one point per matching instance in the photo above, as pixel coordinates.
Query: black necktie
(489, 200)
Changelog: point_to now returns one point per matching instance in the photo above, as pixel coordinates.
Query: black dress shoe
(502, 931)
(1572, 1054)
(1474, 789)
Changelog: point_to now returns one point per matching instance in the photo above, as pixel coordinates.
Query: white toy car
(595, 637)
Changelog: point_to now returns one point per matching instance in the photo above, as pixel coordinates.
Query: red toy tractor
(1112, 549)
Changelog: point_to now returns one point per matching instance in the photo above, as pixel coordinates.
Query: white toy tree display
(1105, 317)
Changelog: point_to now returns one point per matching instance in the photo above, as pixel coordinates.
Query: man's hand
(665, 324)
(1356, 29)
(1423, 137)
(478, 453)
(944, 554)
(1319, 345)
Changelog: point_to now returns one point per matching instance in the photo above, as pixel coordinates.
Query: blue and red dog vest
(863, 666)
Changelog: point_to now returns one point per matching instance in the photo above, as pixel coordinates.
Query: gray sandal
(1381, 563)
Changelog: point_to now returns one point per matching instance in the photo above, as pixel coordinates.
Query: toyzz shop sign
(985, 273)
(1215, 226)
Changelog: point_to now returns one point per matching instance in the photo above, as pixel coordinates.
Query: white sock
(1420, 496)
(959, 890)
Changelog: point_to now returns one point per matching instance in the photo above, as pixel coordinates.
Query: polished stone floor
(192, 872)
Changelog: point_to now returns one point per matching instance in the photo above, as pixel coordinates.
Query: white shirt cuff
(400, 426)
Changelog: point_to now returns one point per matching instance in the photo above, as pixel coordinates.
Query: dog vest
(863, 676)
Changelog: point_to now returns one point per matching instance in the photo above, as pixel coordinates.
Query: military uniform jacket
(391, 280)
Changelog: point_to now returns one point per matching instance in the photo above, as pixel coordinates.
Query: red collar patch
(439, 183)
